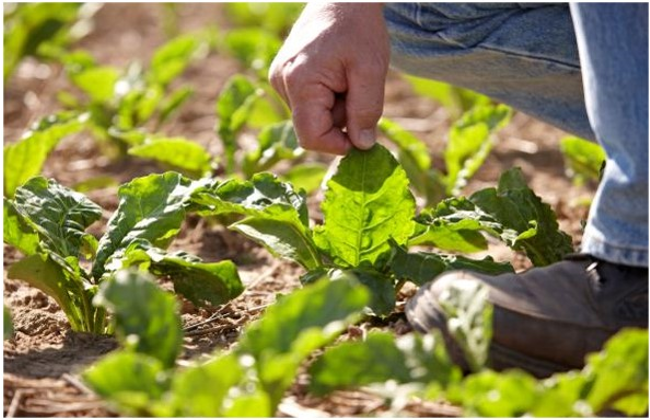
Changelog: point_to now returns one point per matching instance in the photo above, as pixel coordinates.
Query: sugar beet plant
(370, 222)
(47, 223)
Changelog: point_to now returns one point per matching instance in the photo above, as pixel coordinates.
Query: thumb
(364, 105)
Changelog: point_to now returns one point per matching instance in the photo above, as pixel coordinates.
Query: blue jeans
(583, 68)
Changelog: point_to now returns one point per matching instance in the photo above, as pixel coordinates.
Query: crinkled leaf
(470, 143)
(297, 325)
(59, 215)
(517, 208)
(171, 59)
(16, 231)
(24, 159)
(250, 198)
(146, 317)
(367, 202)
(198, 281)
(276, 142)
(97, 82)
(185, 155)
(151, 208)
(131, 381)
(469, 319)
(282, 233)
(382, 289)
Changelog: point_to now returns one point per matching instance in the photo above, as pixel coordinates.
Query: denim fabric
(534, 57)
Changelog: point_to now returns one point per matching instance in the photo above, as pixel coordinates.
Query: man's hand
(331, 72)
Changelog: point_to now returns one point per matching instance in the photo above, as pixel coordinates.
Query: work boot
(545, 319)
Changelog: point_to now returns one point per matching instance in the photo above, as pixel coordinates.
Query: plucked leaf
(24, 159)
(367, 202)
(180, 153)
(146, 317)
(59, 215)
(151, 208)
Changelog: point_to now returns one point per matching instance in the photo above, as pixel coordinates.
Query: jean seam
(531, 57)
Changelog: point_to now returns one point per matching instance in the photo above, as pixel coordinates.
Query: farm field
(171, 147)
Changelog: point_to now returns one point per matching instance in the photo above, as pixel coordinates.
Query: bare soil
(43, 359)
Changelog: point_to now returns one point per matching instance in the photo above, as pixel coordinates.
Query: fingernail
(366, 138)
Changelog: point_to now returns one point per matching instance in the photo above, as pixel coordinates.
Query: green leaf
(180, 153)
(198, 281)
(150, 208)
(97, 82)
(276, 142)
(382, 290)
(492, 394)
(529, 224)
(171, 59)
(7, 324)
(42, 272)
(450, 237)
(469, 319)
(282, 233)
(24, 159)
(132, 381)
(233, 108)
(619, 374)
(250, 198)
(456, 100)
(254, 47)
(583, 157)
(59, 215)
(16, 231)
(422, 267)
(470, 142)
(146, 317)
(173, 102)
(367, 202)
(306, 176)
(297, 325)
(192, 398)
(354, 364)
